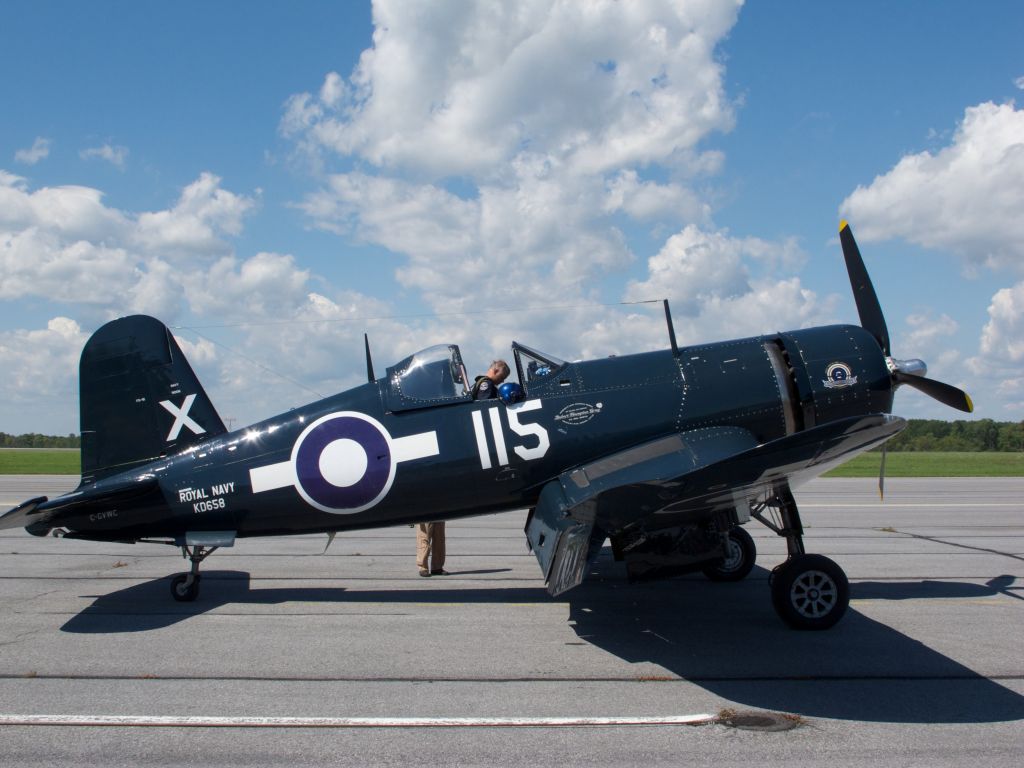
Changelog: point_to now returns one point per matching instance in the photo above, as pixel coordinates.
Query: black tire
(180, 592)
(740, 554)
(810, 592)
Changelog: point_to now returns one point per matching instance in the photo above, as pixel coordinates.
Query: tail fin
(139, 397)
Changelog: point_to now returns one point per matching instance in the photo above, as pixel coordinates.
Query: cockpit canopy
(535, 368)
(436, 376)
(432, 376)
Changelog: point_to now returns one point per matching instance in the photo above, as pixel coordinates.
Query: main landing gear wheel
(810, 592)
(740, 554)
(185, 587)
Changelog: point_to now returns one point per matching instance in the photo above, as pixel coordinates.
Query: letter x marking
(181, 417)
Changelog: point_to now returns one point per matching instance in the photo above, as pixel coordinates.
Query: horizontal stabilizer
(42, 514)
(22, 515)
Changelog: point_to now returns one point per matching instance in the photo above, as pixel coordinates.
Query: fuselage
(355, 460)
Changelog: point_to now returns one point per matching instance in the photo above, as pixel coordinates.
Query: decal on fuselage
(500, 443)
(839, 375)
(181, 417)
(343, 462)
(578, 413)
(206, 499)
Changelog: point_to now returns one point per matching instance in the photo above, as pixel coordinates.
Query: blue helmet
(510, 393)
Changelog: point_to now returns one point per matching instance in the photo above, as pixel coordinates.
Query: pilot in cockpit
(486, 386)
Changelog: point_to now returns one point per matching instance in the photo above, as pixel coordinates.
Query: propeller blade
(944, 393)
(870, 311)
(881, 473)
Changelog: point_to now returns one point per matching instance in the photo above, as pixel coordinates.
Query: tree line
(33, 440)
(920, 435)
(980, 435)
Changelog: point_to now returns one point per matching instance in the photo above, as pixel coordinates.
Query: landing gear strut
(185, 586)
(808, 591)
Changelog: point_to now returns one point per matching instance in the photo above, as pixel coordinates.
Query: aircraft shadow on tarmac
(725, 638)
(1005, 585)
(148, 606)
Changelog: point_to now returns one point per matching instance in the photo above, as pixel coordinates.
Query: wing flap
(562, 529)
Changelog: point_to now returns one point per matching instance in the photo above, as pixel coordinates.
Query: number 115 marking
(523, 430)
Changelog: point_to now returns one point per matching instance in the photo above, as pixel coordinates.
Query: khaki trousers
(430, 543)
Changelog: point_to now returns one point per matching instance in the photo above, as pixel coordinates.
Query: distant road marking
(172, 721)
(925, 505)
(995, 600)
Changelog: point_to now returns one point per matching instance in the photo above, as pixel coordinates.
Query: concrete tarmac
(926, 668)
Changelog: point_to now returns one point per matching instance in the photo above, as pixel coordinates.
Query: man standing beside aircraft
(430, 543)
(430, 549)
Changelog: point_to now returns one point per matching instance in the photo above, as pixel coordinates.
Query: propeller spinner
(910, 372)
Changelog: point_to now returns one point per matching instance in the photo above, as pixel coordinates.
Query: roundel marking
(839, 375)
(838, 372)
(343, 463)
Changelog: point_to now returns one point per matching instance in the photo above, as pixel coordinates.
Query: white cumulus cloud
(39, 150)
(115, 155)
(1002, 340)
(560, 121)
(966, 198)
(998, 367)
(454, 88)
(65, 244)
(204, 214)
(701, 271)
(564, 124)
(41, 372)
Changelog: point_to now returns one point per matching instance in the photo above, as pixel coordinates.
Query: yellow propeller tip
(970, 403)
(843, 225)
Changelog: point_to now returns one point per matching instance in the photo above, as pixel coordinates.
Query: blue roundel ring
(343, 463)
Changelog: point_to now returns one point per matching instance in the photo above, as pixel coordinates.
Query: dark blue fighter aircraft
(667, 454)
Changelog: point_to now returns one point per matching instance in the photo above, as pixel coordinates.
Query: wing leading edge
(678, 479)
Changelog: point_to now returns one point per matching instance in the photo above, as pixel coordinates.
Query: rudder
(139, 398)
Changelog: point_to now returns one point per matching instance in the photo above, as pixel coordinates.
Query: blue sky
(272, 181)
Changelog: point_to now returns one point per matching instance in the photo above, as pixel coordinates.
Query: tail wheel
(810, 592)
(740, 554)
(183, 590)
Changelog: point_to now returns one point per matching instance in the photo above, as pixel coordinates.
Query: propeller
(881, 472)
(910, 372)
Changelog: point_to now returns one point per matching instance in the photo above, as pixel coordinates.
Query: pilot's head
(498, 371)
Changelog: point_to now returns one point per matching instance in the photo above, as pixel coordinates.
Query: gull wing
(681, 478)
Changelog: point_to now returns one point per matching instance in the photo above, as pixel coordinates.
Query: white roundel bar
(344, 462)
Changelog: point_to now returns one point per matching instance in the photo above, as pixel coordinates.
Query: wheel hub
(813, 594)
(733, 556)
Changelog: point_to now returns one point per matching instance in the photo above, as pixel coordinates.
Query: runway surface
(294, 657)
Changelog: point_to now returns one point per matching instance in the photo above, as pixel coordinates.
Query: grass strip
(15, 461)
(41, 461)
(928, 464)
